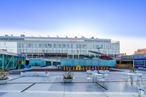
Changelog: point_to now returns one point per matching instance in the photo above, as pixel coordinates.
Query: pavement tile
(13, 87)
(2, 93)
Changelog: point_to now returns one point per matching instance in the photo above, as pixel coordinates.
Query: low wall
(85, 68)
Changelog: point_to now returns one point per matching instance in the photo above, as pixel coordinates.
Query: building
(128, 61)
(9, 60)
(123, 54)
(140, 51)
(129, 58)
(57, 47)
(140, 62)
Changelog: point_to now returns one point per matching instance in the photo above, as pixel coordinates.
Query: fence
(87, 62)
(123, 66)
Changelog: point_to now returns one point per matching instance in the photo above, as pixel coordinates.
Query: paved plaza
(53, 86)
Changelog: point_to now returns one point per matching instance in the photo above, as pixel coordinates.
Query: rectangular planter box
(42, 74)
(27, 74)
(104, 72)
(90, 72)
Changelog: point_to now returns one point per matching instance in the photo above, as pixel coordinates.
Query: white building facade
(36, 47)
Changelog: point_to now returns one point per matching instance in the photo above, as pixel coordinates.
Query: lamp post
(98, 58)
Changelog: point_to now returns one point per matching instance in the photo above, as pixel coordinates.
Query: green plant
(46, 70)
(23, 71)
(36, 64)
(68, 75)
(3, 74)
(132, 69)
(55, 65)
(92, 69)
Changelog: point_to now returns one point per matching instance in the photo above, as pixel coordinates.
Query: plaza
(53, 86)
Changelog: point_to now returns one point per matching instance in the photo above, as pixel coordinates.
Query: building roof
(4, 52)
(54, 38)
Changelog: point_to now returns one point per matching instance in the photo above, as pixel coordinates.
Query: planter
(67, 80)
(2, 82)
(133, 72)
(89, 71)
(42, 74)
(35, 67)
(104, 72)
(27, 74)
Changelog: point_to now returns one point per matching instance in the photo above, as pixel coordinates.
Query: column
(13, 61)
(51, 63)
(3, 67)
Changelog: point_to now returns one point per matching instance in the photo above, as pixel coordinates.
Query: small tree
(132, 69)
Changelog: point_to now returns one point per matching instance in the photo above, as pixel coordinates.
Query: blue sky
(122, 20)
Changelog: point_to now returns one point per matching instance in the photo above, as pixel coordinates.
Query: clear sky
(121, 20)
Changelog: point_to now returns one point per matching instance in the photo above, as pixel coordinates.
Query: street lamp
(98, 58)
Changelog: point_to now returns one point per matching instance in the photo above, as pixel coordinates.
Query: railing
(123, 66)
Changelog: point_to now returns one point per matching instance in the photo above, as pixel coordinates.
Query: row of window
(101, 41)
(11, 39)
(140, 63)
(63, 51)
(97, 41)
(67, 45)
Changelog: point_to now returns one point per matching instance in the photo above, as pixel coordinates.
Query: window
(107, 46)
(97, 46)
(101, 46)
(110, 47)
(140, 63)
(55, 45)
(49, 45)
(64, 45)
(35, 45)
(40, 45)
(93, 46)
(72, 51)
(68, 45)
(29, 45)
(22, 45)
(84, 45)
(59, 45)
(45, 45)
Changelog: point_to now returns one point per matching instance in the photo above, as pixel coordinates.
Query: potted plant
(3, 76)
(23, 73)
(68, 76)
(133, 70)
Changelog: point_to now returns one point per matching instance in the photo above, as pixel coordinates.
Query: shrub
(3, 74)
(132, 69)
(23, 71)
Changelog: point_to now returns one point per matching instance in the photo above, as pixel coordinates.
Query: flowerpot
(2, 82)
(67, 80)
